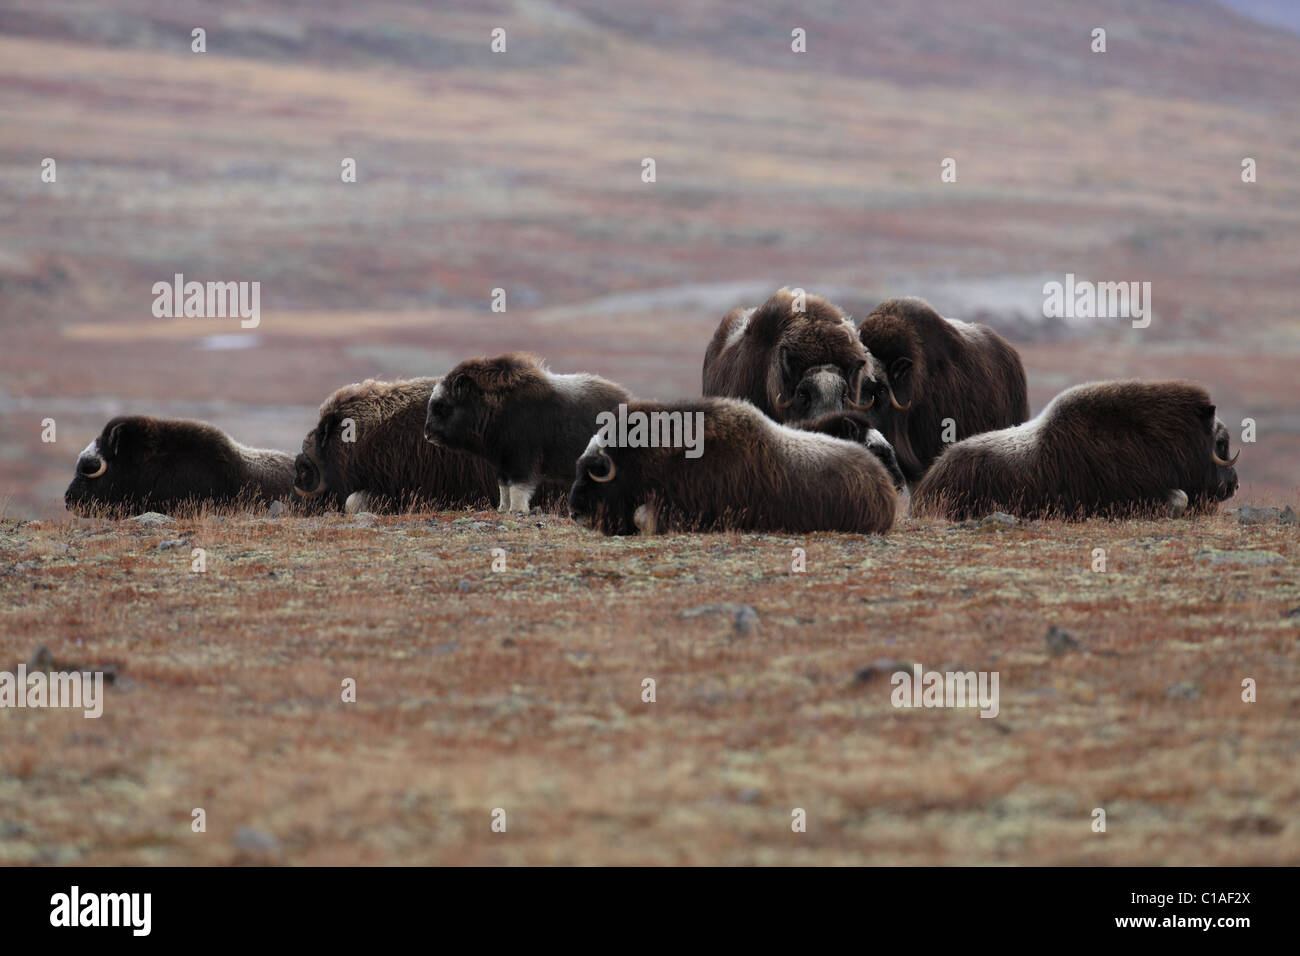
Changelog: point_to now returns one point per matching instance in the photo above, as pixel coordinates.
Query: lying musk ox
(753, 475)
(1105, 449)
(366, 453)
(791, 365)
(140, 463)
(928, 368)
(527, 422)
(858, 427)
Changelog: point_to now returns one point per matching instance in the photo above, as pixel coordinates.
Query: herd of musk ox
(808, 424)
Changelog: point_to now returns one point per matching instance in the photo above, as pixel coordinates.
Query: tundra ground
(521, 690)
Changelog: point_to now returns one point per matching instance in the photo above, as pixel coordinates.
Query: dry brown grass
(521, 690)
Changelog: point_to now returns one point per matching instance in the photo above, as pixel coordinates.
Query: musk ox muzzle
(823, 390)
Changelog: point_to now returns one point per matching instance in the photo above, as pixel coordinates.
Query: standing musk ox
(366, 452)
(140, 463)
(754, 475)
(928, 368)
(858, 427)
(791, 365)
(1106, 449)
(529, 423)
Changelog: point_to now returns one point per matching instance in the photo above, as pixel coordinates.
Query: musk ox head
(858, 428)
(794, 364)
(138, 461)
(892, 334)
(602, 497)
(469, 398)
(1222, 483)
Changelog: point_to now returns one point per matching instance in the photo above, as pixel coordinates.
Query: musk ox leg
(521, 496)
(1177, 502)
(646, 519)
(504, 505)
(357, 502)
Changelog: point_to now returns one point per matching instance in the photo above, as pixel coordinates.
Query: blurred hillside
(522, 171)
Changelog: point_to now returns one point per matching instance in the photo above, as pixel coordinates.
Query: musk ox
(529, 423)
(1105, 449)
(928, 368)
(858, 427)
(791, 365)
(139, 462)
(754, 475)
(366, 452)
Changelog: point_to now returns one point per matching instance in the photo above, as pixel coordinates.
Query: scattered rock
(41, 659)
(444, 649)
(1183, 690)
(276, 509)
(748, 795)
(463, 586)
(745, 622)
(1247, 514)
(1059, 641)
(365, 517)
(701, 609)
(151, 519)
(482, 526)
(256, 842)
(998, 521)
(171, 543)
(1294, 612)
(881, 667)
(1248, 559)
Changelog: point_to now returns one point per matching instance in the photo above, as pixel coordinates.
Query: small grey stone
(170, 543)
(1247, 514)
(463, 586)
(1288, 516)
(748, 795)
(880, 667)
(252, 840)
(276, 509)
(997, 521)
(41, 659)
(1059, 641)
(1183, 690)
(1249, 559)
(151, 519)
(745, 621)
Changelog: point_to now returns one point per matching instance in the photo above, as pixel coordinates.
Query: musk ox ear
(116, 439)
(1205, 411)
(460, 386)
(787, 364)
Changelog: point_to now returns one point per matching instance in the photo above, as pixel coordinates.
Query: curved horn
(608, 476)
(893, 401)
(780, 404)
(1225, 464)
(103, 467)
(862, 408)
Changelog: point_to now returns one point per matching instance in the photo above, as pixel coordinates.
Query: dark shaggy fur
(791, 365)
(941, 368)
(527, 422)
(1105, 449)
(388, 463)
(858, 427)
(140, 463)
(753, 475)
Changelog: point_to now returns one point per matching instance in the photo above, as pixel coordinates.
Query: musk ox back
(140, 463)
(528, 423)
(928, 368)
(368, 447)
(753, 475)
(1106, 449)
(791, 365)
(858, 427)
